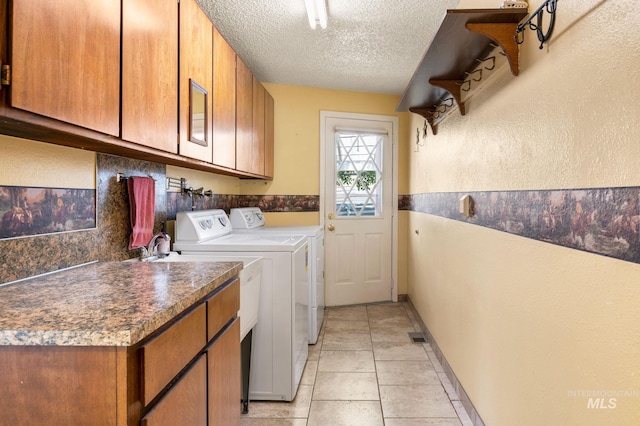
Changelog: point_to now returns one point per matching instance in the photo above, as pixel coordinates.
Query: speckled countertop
(105, 304)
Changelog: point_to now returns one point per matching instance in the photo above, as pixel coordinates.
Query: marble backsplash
(114, 225)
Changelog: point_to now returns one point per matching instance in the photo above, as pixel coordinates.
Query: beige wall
(524, 323)
(297, 149)
(28, 163)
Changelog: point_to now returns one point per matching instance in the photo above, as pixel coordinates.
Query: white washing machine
(280, 341)
(251, 220)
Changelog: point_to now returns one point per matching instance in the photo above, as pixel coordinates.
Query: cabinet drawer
(185, 403)
(222, 307)
(166, 355)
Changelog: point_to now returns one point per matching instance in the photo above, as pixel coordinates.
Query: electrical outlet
(514, 4)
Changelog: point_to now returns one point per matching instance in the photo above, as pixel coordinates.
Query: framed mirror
(197, 114)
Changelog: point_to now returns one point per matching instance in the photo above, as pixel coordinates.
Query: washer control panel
(247, 218)
(202, 225)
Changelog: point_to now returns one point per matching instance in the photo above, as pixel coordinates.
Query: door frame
(324, 115)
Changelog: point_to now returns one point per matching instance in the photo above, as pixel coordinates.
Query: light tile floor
(365, 370)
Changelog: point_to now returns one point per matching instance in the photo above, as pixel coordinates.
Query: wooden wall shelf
(464, 36)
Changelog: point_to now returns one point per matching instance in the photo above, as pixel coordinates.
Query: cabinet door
(150, 73)
(66, 61)
(196, 51)
(257, 158)
(225, 378)
(269, 134)
(244, 117)
(185, 403)
(224, 102)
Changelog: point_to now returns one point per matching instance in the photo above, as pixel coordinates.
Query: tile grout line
(375, 366)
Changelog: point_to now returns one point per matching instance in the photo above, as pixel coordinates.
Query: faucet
(152, 249)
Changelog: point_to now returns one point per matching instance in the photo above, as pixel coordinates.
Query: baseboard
(457, 386)
(403, 298)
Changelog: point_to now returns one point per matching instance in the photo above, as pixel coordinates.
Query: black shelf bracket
(550, 7)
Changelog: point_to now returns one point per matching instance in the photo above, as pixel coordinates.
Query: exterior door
(357, 207)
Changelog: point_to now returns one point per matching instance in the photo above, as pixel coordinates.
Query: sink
(250, 279)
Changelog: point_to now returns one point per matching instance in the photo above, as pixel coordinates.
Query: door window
(358, 174)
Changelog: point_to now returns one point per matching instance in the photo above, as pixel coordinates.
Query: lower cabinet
(188, 373)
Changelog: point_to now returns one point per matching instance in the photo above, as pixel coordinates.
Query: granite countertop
(105, 304)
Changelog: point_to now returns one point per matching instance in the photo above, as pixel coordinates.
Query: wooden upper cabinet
(269, 134)
(254, 137)
(196, 82)
(257, 158)
(244, 117)
(224, 102)
(66, 61)
(150, 73)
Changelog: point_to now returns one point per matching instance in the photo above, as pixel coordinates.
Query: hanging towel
(142, 199)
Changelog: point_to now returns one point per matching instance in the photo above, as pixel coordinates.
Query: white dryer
(280, 341)
(251, 220)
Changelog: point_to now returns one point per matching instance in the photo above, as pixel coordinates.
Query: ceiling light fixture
(317, 13)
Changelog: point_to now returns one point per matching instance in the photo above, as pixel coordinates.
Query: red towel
(142, 199)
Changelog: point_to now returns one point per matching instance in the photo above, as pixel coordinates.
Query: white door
(357, 207)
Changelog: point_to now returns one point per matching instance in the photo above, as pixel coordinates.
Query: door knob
(331, 228)
(331, 216)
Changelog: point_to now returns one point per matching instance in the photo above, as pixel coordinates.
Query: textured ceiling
(368, 45)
